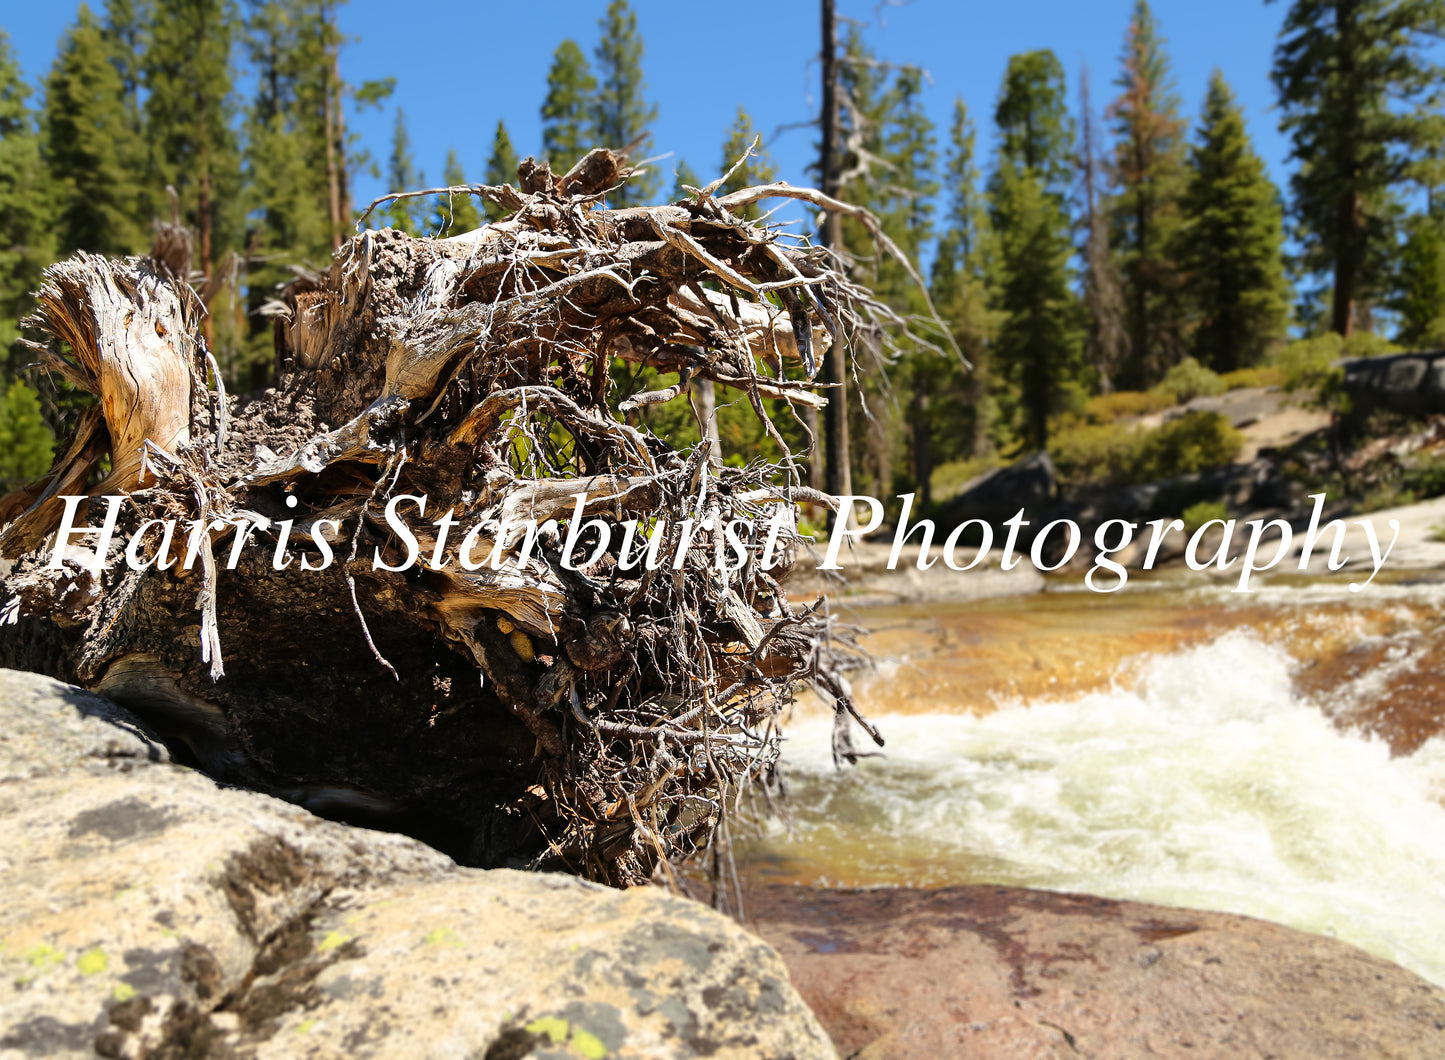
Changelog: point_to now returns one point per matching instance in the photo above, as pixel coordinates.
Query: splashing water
(1208, 784)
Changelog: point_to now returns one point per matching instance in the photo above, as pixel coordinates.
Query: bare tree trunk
(707, 416)
(1342, 309)
(839, 474)
(1103, 295)
(380, 596)
(809, 415)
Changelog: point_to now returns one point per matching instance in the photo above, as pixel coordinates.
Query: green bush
(1194, 442)
(1309, 364)
(1189, 379)
(1096, 452)
(1093, 453)
(1196, 515)
(1263, 375)
(1366, 344)
(1425, 477)
(1106, 408)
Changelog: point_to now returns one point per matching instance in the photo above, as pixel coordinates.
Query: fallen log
(397, 586)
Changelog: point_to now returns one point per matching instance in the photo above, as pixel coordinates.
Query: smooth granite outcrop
(1006, 973)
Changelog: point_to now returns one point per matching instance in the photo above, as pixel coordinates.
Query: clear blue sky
(460, 67)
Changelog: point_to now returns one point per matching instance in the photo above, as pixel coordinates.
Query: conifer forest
(1103, 243)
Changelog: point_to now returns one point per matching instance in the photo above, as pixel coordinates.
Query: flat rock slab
(147, 913)
(998, 973)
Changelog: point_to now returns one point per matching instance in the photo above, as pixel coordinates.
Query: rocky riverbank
(146, 912)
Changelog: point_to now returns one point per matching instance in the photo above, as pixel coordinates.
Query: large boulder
(146, 912)
(1003, 973)
(1030, 483)
(1408, 383)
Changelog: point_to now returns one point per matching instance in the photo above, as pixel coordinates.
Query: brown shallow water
(1373, 659)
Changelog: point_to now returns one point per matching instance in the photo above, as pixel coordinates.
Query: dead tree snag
(395, 605)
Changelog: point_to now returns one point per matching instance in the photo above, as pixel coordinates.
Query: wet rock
(1003, 973)
(146, 912)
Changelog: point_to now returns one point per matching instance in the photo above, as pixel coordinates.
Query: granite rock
(1005, 973)
(147, 912)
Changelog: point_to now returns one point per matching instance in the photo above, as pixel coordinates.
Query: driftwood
(599, 720)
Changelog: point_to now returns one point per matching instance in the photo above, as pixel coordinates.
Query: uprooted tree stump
(598, 720)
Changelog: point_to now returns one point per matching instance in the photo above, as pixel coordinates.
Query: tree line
(1094, 250)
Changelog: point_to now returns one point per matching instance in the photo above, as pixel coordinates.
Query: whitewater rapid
(1203, 782)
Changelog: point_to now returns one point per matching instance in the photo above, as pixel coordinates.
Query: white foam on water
(1207, 784)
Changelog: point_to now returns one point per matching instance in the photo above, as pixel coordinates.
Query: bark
(837, 463)
(1342, 307)
(551, 708)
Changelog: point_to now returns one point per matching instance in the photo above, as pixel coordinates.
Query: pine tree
(621, 113)
(1148, 176)
(325, 95)
(1033, 123)
(25, 441)
(967, 219)
(889, 158)
(285, 158)
(501, 168)
(1345, 73)
(959, 284)
(1039, 345)
(1230, 244)
(1106, 341)
(298, 158)
(1419, 280)
(26, 242)
(502, 162)
(127, 26)
(95, 158)
(683, 177)
(567, 130)
(757, 169)
(907, 207)
(862, 83)
(401, 175)
(456, 213)
(285, 172)
(1420, 298)
(189, 112)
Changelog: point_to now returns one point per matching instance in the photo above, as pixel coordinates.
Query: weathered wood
(524, 692)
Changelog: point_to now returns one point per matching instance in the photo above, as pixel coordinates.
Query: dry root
(601, 719)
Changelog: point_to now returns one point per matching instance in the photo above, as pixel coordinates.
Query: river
(1278, 755)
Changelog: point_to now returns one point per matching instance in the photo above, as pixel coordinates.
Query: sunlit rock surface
(145, 912)
(1003, 973)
